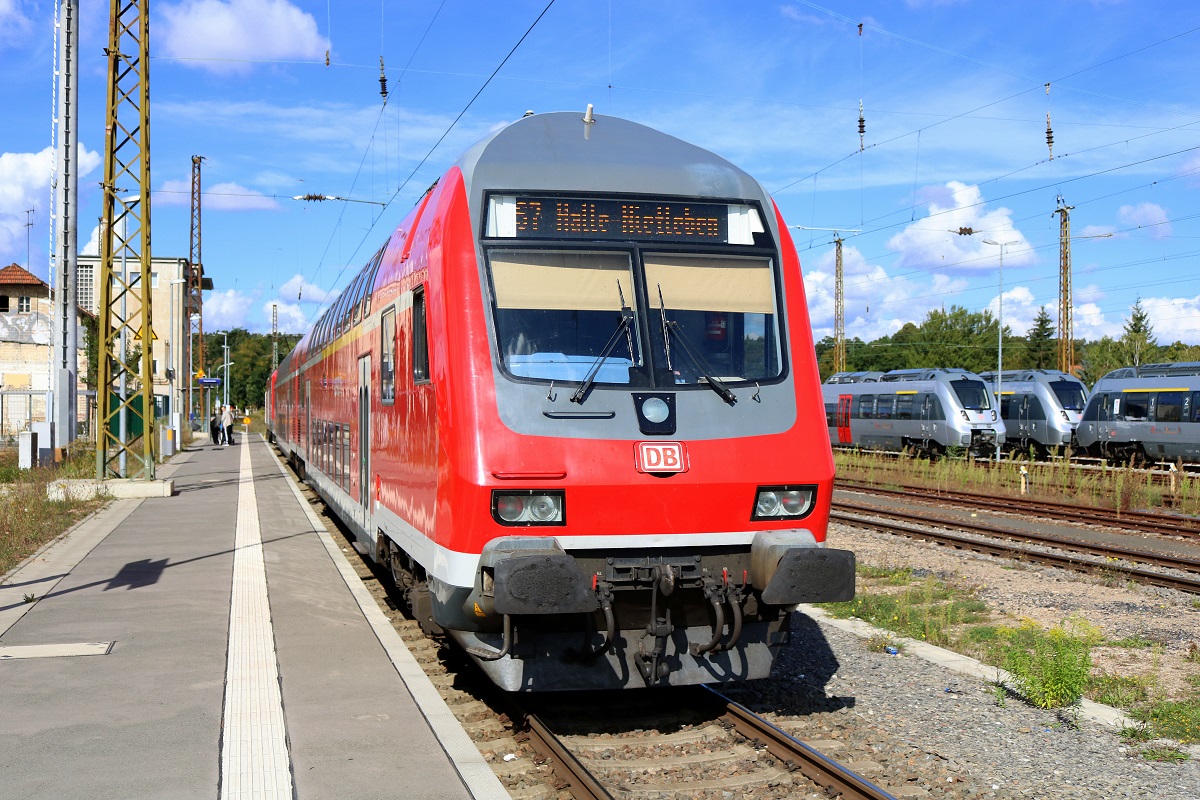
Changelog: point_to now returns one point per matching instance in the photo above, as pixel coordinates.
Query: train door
(308, 431)
(364, 430)
(843, 418)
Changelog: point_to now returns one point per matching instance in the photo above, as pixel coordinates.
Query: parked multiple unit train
(1150, 412)
(1040, 408)
(570, 404)
(923, 410)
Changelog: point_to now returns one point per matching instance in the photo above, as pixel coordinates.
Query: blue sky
(953, 94)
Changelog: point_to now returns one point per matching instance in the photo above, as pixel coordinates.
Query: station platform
(215, 644)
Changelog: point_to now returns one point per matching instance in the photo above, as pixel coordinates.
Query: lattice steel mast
(195, 295)
(125, 441)
(1066, 338)
(839, 311)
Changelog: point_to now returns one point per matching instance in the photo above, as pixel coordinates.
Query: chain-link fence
(19, 409)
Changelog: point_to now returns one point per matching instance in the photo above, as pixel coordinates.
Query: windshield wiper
(624, 326)
(698, 361)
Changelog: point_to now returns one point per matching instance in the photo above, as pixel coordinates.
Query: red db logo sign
(660, 457)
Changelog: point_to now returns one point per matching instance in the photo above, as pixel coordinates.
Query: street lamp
(173, 372)
(1000, 334)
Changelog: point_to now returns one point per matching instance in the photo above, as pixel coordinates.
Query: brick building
(25, 342)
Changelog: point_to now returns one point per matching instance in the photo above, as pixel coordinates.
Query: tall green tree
(1138, 345)
(1040, 349)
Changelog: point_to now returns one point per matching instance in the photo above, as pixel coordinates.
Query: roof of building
(13, 274)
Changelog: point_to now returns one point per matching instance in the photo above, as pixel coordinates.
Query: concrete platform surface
(215, 644)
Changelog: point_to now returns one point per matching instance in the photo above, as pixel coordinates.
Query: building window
(4, 307)
(153, 280)
(23, 304)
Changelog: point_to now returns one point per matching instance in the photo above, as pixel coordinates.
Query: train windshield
(556, 311)
(721, 315)
(1069, 394)
(972, 394)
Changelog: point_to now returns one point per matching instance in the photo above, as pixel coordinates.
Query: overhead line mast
(1066, 340)
(195, 291)
(839, 297)
(125, 430)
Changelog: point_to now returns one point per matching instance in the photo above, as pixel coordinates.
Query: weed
(1117, 690)
(1131, 642)
(1193, 654)
(1171, 719)
(1050, 668)
(30, 598)
(1172, 754)
(880, 644)
(897, 576)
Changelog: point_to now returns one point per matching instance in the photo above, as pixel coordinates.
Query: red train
(573, 404)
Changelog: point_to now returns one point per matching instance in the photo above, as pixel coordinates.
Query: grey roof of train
(1180, 368)
(550, 152)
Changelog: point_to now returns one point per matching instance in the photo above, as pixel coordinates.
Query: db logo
(660, 457)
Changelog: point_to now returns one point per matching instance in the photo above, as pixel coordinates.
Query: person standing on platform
(214, 427)
(227, 424)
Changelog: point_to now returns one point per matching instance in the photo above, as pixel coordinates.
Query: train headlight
(529, 507)
(784, 502)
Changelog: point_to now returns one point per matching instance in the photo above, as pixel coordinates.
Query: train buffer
(215, 643)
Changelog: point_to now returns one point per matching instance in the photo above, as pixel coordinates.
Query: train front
(648, 429)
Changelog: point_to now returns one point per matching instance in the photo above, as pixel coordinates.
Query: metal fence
(19, 409)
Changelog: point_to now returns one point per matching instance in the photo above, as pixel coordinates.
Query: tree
(1099, 358)
(1137, 344)
(1040, 351)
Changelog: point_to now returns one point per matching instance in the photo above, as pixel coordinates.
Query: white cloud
(876, 303)
(1147, 215)
(1174, 318)
(14, 25)
(298, 290)
(224, 36)
(92, 247)
(1020, 308)
(227, 309)
(218, 197)
(25, 184)
(292, 318)
(929, 244)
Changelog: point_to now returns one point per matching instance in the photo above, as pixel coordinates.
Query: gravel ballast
(922, 730)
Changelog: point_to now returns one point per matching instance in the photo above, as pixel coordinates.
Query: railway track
(1146, 522)
(728, 751)
(697, 743)
(1078, 556)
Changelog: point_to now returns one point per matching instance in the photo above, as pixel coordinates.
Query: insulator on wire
(862, 127)
(382, 80)
(1049, 136)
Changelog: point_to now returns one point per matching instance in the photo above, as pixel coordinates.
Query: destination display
(598, 218)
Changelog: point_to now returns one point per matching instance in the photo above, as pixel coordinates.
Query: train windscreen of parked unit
(973, 395)
(1070, 394)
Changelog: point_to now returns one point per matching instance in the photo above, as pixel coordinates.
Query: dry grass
(1103, 487)
(28, 520)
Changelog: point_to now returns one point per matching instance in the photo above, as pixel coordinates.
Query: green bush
(1050, 668)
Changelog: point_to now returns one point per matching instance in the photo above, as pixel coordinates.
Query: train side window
(830, 412)
(420, 342)
(884, 405)
(1137, 405)
(934, 409)
(387, 357)
(866, 406)
(1005, 406)
(1091, 412)
(1033, 408)
(1169, 407)
(904, 406)
(1195, 415)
